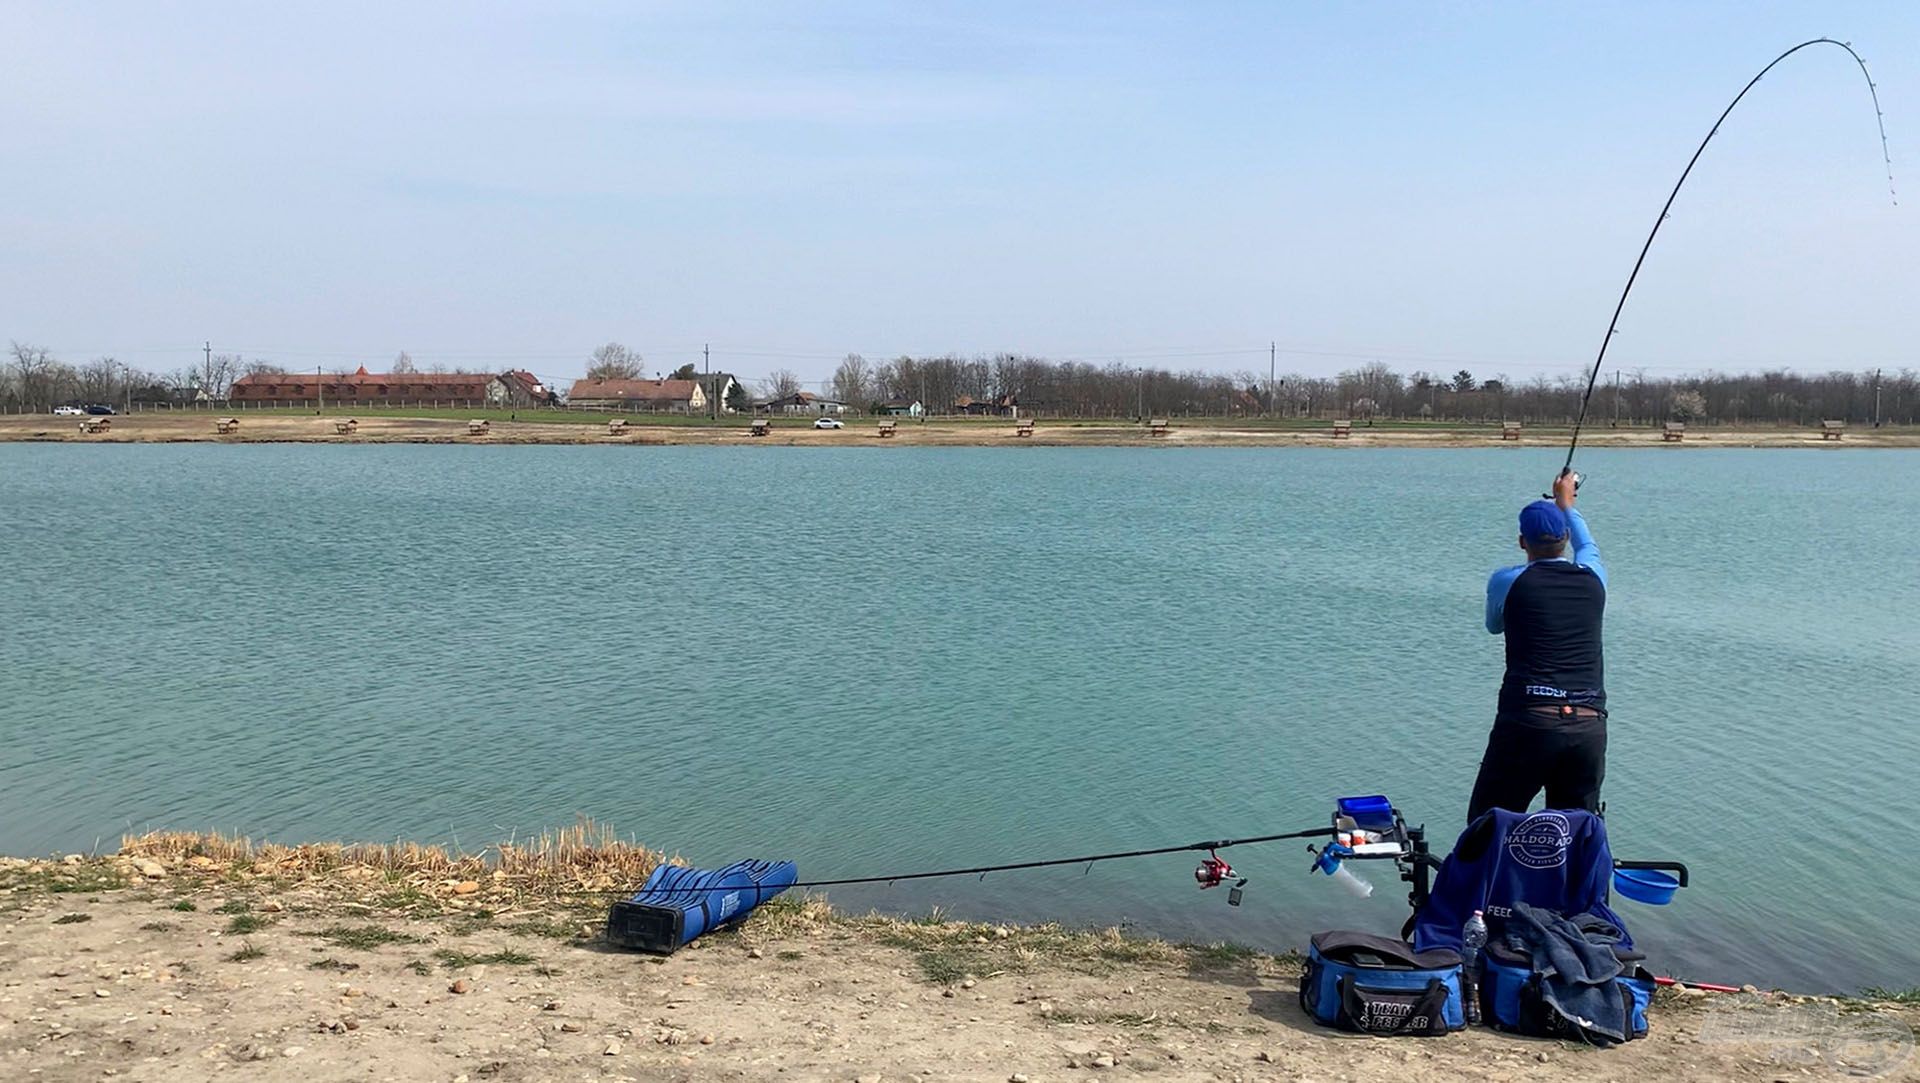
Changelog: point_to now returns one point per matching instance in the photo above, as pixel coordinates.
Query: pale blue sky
(1432, 185)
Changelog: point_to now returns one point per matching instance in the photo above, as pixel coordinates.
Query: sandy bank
(286, 428)
(279, 966)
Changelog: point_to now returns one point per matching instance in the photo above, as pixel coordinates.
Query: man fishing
(1551, 726)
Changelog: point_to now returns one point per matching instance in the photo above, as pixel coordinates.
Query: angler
(1550, 729)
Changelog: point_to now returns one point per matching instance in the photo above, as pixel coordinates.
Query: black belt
(1563, 711)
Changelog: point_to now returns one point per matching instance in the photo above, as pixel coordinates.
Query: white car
(68, 411)
(828, 423)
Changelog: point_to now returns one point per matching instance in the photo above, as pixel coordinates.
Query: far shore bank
(504, 427)
(187, 957)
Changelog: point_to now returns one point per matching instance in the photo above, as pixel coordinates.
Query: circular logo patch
(1541, 840)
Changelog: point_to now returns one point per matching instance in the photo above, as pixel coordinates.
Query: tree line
(33, 379)
(1080, 389)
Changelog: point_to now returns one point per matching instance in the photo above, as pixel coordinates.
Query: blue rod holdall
(677, 904)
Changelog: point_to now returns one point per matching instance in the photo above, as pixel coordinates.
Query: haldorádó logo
(1541, 840)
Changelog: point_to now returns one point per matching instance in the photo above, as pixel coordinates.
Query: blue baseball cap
(1542, 521)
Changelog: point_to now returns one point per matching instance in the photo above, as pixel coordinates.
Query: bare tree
(780, 384)
(268, 368)
(404, 363)
(103, 379)
(615, 362)
(39, 377)
(34, 373)
(217, 373)
(852, 382)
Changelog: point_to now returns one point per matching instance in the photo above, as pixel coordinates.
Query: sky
(1176, 185)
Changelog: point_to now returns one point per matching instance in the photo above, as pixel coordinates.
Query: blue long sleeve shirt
(1551, 613)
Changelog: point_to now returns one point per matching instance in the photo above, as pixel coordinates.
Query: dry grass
(555, 884)
(589, 856)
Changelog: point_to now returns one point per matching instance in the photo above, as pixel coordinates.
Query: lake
(882, 660)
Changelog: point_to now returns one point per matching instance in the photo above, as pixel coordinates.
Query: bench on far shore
(761, 426)
(1342, 430)
(1158, 427)
(617, 427)
(225, 425)
(348, 427)
(1675, 432)
(479, 428)
(94, 425)
(1023, 428)
(1509, 430)
(888, 428)
(1832, 430)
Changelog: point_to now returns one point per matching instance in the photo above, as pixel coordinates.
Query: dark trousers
(1539, 748)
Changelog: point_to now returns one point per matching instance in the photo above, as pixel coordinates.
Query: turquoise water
(877, 660)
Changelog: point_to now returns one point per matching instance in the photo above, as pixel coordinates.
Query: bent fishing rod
(1613, 325)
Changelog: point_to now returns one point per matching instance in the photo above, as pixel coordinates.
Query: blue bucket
(1650, 886)
(1372, 812)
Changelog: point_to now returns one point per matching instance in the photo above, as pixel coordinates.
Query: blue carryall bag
(677, 904)
(1379, 985)
(1511, 997)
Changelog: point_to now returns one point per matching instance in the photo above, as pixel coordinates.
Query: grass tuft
(362, 937)
(72, 919)
(157, 927)
(1219, 955)
(459, 960)
(1892, 996)
(949, 965)
(184, 905)
(247, 923)
(330, 963)
(234, 906)
(247, 953)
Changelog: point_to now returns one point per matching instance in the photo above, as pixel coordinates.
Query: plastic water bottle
(1473, 937)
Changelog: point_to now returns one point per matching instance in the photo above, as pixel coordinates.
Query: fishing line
(982, 870)
(1613, 325)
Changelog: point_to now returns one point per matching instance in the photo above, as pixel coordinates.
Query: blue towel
(1575, 961)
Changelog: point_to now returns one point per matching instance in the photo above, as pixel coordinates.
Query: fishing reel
(1214, 871)
(1578, 477)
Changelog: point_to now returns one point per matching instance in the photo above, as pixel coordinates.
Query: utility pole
(1616, 398)
(706, 364)
(1876, 398)
(319, 390)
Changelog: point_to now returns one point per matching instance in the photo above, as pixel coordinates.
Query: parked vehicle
(828, 423)
(98, 409)
(68, 411)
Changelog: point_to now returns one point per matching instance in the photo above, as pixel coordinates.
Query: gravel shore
(165, 964)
